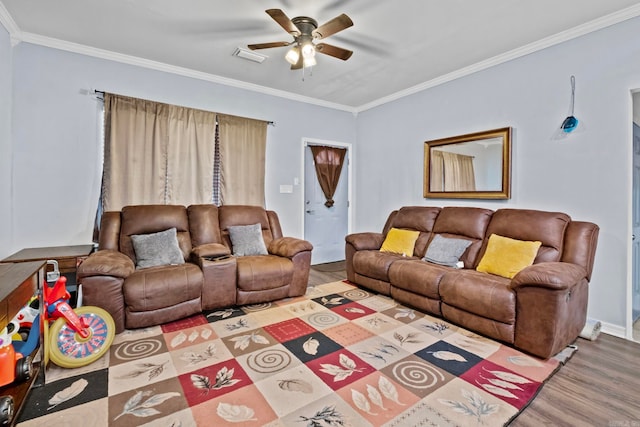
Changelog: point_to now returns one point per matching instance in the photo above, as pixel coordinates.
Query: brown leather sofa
(540, 310)
(208, 279)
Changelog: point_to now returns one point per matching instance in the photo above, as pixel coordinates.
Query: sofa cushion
(374, 264)
(247, 240)
(259, 273)
(465, 223)
(400, 241)
(417, 277)
(160, 287)
(146, 219)
(156, 249)
(446, 251)
(479, 293)
(532, 225)
(506, 257)
(420, 218)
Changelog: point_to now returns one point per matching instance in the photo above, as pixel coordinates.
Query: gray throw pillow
(446, 251)
(157, 249)
(247, 240)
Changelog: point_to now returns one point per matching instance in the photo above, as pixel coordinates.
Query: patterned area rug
(340, 356)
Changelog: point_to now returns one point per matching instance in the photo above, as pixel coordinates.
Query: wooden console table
(18, 283)
(68, 257)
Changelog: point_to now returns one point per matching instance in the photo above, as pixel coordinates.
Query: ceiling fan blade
(336, 52)
(268, 45)
(283, 20)
(338, 23)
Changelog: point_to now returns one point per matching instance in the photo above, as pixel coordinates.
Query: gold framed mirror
(472, 166)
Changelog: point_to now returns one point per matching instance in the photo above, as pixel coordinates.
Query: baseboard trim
(615, 330)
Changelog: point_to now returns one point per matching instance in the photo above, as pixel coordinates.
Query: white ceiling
(399, 46)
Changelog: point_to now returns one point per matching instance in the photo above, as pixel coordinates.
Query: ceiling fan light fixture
(309, 62)
(308, 50)
(293, 55)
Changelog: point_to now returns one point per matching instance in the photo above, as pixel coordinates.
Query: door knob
(310, 211)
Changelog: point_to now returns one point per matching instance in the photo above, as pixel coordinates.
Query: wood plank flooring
(599, 386)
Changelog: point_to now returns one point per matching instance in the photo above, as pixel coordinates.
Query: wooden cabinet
(18, 283)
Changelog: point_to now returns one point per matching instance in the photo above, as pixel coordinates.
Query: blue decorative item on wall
(570, 124)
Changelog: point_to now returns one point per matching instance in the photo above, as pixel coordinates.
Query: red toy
(78, 336)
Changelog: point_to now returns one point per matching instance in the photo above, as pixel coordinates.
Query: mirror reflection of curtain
(451, 172)
(436, 180)
(328, 163)
(458, 172)
(243, 144)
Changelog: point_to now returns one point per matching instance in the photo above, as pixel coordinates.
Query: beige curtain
(328, 162)
(458, 172)
(191, 153)
(156, 153)
(436, 179)
(135, 155)
(243, 145)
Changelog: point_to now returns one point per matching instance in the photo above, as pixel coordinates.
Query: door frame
(631, 271)
(350, 208)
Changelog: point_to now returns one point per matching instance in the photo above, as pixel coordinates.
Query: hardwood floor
(598, 386)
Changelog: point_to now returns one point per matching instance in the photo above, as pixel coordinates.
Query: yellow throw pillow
(506, 257)
(400, 241)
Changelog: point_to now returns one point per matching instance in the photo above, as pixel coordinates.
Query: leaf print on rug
(235, 413)
(145, 408)
(243, 341)
(223, 314)
(193, 358)
(410, 338)
(348, 367)
(68, 393)
(327, 416)
(224, 378)
(153, 369)
(405, 312)
(296, 385)
(476, 407)
(310, 346)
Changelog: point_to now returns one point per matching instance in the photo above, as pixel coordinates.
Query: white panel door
(325, 227)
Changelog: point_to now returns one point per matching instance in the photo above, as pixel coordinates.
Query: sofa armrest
(106, 262)
(365, 241)
(288, 246)
(210, 250)
(551, 306)
(550, 275)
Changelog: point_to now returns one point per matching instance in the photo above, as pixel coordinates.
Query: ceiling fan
(304, 31)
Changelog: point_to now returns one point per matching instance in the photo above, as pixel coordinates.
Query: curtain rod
(101, 92)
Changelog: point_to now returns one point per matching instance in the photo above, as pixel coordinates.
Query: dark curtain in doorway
(328, 162)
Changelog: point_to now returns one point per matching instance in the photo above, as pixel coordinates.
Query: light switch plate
(286, 188)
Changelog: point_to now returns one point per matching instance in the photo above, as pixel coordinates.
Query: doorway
(326, 227)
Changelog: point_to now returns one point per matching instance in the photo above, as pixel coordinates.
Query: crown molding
(589, 27)
(182, 71)
(7, 21)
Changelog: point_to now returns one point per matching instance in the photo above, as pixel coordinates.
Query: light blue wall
(6, 246)
(586, 176)
(57, 153)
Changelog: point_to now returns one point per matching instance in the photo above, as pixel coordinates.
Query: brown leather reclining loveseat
(540, 310)
(205, 276)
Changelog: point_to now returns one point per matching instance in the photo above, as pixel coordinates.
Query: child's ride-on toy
(78, 336)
